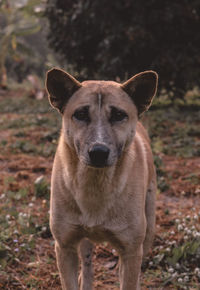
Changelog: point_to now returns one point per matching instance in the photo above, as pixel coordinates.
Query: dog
(103, 182)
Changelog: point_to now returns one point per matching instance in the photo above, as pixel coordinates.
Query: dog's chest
(94, 206)
(100, 211)
(98, 197)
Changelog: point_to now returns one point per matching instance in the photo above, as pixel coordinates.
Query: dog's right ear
(60, 86)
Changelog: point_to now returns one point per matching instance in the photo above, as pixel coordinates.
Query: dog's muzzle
(99, 154)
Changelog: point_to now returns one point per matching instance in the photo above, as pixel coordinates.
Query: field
(28, 139)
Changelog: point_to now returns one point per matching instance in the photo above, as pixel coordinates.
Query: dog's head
(100, 117)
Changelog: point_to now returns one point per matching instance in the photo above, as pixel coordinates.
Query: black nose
(99, 155)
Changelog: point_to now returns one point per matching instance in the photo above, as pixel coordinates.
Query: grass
(29, 133)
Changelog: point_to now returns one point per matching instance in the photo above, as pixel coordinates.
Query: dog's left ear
(60, 86)
(142, 88)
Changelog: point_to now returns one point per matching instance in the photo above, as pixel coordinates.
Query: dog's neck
(93, 189)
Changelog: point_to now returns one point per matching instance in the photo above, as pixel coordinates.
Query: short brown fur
(93, 200)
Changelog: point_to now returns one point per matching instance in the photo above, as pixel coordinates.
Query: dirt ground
(29, 130)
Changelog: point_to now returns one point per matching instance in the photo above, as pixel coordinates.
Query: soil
(28, 138)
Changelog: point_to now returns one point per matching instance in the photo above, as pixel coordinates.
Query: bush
(108, 39)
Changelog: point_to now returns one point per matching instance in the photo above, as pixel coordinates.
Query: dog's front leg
(86, 274)
(130, 267)
(67, 260)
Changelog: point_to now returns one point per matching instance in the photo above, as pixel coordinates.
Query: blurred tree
(105, 39)
(18, 21)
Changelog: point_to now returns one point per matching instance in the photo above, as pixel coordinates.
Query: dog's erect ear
(142, 88)
(60, 86)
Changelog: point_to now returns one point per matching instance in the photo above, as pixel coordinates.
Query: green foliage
(22, 46)
(16, 23)
(176, 261)
(184, 252)
(106, 39)
(23, 105)
(175, 131)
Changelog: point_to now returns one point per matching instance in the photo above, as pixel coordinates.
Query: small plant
(41, 187)
(178, 257)
(161, 179)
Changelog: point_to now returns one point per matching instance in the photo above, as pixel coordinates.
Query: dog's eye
(82, 114)
(117, 115)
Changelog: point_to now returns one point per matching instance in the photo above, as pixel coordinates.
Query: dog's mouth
(100, 164)
(97, 164)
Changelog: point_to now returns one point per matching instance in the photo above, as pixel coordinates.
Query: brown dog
(103, 181)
